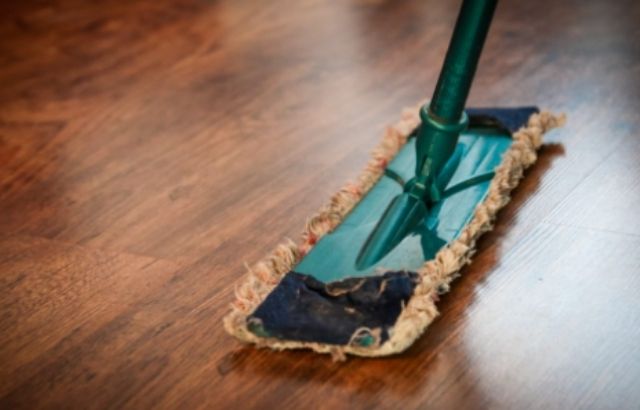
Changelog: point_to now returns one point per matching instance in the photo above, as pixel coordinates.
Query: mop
(371, 264)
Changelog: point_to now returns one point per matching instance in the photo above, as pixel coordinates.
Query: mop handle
(462, 57)
(443, 119)
(442, 122)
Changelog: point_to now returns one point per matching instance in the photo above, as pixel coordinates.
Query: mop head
(385, 313)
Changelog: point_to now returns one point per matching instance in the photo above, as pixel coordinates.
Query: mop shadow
(435, 358)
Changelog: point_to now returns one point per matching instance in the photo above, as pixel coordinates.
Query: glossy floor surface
(149, 149)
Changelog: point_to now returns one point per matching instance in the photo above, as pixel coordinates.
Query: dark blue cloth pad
(304, 309)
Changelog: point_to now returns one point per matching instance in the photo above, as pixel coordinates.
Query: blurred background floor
(149, 149)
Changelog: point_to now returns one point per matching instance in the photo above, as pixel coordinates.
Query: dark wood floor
(149, 149)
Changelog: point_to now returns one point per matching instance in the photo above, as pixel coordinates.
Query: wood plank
(558, 315)
(613, 192)
(57, 297)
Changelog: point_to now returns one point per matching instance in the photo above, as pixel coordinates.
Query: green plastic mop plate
(479, 152)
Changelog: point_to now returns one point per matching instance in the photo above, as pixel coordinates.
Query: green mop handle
(462, 58)
(443, 119)
(442, 122)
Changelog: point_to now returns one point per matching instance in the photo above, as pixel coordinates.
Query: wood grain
(148, 149)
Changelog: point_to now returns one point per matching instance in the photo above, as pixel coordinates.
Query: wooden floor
(149, 149)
